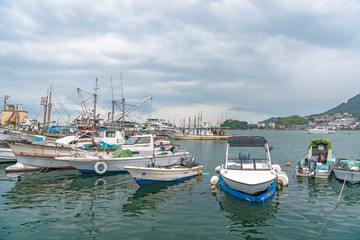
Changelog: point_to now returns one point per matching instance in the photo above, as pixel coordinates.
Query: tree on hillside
(292, 120)
(235, 124)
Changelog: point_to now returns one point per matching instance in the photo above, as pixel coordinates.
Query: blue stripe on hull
(143, 182)
(260, 199)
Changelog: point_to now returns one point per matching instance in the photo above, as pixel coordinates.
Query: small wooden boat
(318, 162)
(348, 170)
(151, 175)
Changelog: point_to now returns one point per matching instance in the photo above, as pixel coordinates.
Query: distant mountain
(352, 106)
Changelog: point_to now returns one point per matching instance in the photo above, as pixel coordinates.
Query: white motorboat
(244, 175)
(319, 130)
(151, 175)
(348, 170)
(138, 151)
(318, 162)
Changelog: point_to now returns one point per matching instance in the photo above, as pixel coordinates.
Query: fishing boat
(318, 162)
(152, 174)
(37, 152)
(138, 151)
(252, 179)
(203, 134)
(348, 170)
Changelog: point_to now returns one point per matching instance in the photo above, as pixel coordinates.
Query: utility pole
(6, 97)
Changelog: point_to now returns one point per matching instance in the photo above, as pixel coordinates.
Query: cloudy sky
(248, 60)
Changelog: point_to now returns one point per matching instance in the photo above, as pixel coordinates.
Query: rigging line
(63, 103)
(336, 205)
(60, 114)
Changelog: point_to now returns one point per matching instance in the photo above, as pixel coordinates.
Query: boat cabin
(143, 145)
(246, 153)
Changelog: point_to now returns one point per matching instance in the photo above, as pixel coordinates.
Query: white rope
(333, 210)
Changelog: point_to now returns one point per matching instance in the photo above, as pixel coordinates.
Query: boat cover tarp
(122, 153)
(247, 141)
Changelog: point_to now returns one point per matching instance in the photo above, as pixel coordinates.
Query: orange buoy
(213, 187)
(288, 164)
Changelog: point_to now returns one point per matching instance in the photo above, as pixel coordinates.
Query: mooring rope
(333, 210)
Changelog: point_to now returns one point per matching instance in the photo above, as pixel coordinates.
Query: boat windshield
(137, 140)
(99, 134)
(248, 159)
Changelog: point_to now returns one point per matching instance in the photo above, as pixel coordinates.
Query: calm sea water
(69, 205)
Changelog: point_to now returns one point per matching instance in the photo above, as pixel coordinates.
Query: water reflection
(350, 194)
(37, 187)
(153, 196)
(248, 219)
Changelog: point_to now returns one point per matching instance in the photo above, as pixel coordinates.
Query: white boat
(138, 151)
(348, 170)
(40, 153)
(151, 175)
(318, 162)
(244, 175)
(319, 130)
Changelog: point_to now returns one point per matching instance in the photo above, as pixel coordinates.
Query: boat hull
(145, 175)
(269, 193)
(351, 177)
(181, 136)
(7, 155)
(248, 181)
(38, 156)
(320, 174)
(87, 164)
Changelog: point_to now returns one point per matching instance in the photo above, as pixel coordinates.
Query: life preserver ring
(103, 170)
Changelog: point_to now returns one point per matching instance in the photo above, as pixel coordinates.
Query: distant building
(13, 116)
(272, 125)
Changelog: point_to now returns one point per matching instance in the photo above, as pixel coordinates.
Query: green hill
(352, 106)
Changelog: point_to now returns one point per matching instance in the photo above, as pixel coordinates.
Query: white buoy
(276, 167)
(214, 180)
(282, 176)
(217, 169)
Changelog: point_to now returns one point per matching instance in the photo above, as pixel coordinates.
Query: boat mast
(123, 105)
(94, 123)
(49, 112)
(44, 102)
(113, 103)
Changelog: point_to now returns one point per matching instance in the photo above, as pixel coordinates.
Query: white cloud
(250, 59)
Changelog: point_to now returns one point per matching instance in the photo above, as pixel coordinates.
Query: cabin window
(144, 140)
(110, 134)
(99, 134)
(131, 140)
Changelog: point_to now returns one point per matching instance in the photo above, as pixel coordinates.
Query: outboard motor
(312, 167)
(190, 161)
